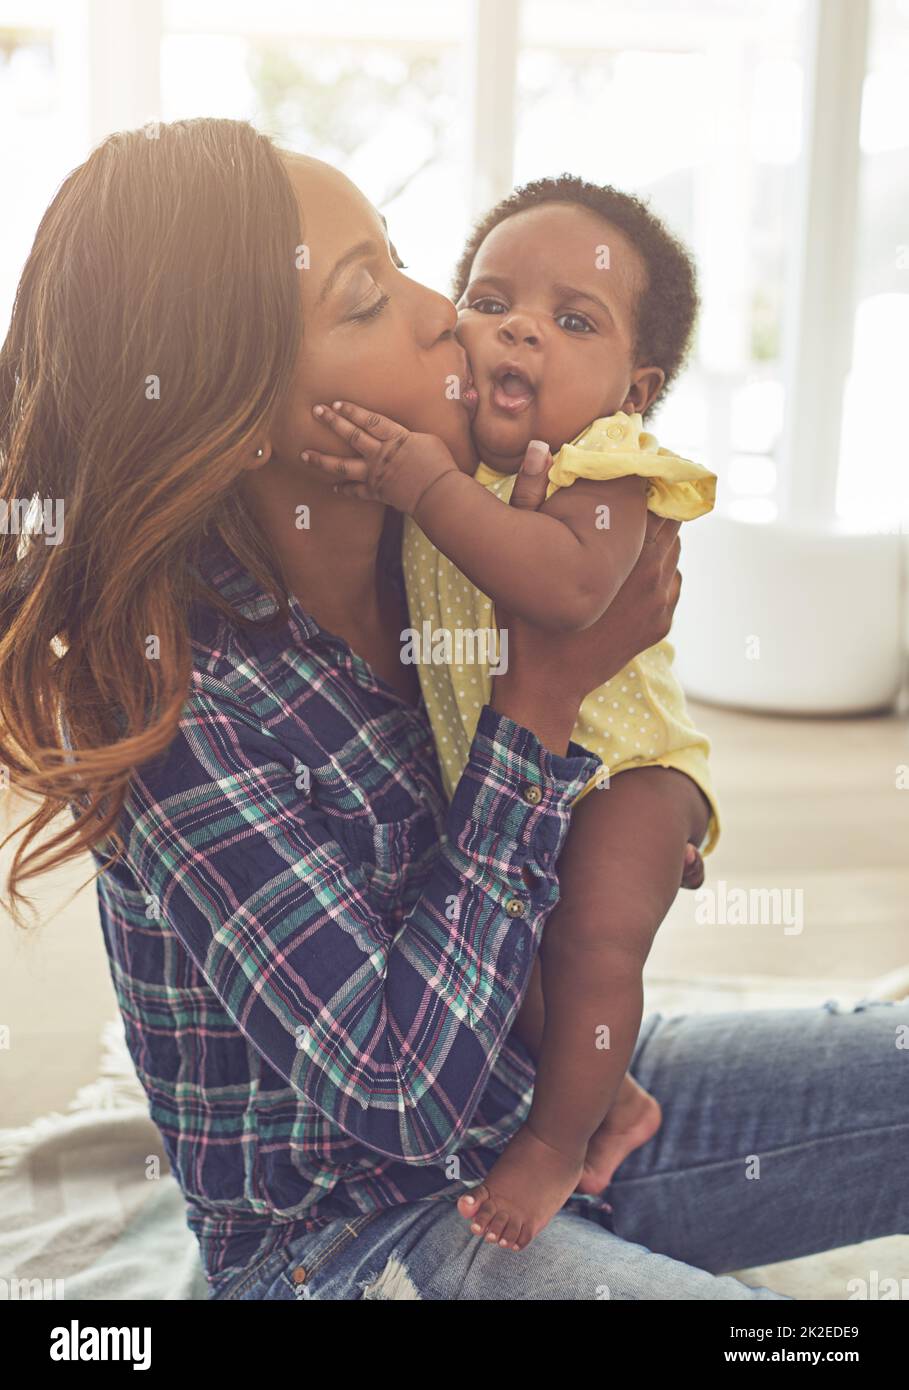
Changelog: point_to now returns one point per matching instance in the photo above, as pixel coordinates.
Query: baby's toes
(525, 1236)
(496, 1227)
(481, 1218)
(470, 1203)
(509, 1236)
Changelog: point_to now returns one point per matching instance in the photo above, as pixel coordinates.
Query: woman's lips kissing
(470, 396)
(512, 389)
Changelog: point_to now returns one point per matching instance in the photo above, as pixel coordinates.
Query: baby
(576, 309)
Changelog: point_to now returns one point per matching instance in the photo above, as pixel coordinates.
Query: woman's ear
(646, 383)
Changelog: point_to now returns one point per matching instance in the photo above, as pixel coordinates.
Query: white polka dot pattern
(639, 717)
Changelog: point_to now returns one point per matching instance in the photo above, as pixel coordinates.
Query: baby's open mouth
(512, 388)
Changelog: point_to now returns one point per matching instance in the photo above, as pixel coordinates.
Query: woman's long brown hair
(154, 330)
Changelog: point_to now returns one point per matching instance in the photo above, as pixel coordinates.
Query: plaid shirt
(317, 961)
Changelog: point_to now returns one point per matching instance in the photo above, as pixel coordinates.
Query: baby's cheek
(556, 418)
(566, 409)
(467, 332)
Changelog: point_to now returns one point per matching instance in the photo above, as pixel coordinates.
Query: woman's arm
(389, 1031)
(580, 544)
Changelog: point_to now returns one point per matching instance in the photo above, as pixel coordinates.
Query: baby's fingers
(337, 467)
(693, 868)
(361, 490)
(365, 430)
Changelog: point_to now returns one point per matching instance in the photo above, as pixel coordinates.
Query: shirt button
(616, 431)
(532, 793)
(514, 907)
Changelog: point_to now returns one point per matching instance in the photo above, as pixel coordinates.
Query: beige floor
(809, 804)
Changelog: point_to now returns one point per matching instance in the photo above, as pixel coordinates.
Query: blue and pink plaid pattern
(317, 961)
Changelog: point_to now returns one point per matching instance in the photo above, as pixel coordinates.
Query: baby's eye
(579, 318)
(484, 299)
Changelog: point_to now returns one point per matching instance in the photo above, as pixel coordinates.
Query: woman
(326, 974)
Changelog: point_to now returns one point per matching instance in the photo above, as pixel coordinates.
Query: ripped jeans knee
(393, 1282)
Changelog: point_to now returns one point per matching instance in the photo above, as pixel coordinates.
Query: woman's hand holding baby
(387, 463)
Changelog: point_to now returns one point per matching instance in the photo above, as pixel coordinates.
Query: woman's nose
(438, 318)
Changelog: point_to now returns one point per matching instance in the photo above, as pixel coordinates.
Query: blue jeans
(784, 1132)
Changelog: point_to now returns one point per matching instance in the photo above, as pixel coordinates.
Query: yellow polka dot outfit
(639, 717)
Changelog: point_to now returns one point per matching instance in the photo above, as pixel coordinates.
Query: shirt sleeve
(390, 1034)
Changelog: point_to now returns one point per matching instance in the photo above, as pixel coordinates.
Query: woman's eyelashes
(586, 325)
(381, 302)
(373, 309)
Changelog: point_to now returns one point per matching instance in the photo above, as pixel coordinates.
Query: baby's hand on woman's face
(387, 462)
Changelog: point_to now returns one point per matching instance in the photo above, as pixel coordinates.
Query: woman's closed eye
(374, 309)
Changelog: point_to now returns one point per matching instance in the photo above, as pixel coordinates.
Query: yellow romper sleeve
(617, 446)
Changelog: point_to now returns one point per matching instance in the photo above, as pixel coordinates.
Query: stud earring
(260, 453)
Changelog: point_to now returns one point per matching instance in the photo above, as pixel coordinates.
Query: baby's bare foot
(634, 1117)
(527, 1185)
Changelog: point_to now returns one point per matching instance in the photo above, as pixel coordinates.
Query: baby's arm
(559, 567)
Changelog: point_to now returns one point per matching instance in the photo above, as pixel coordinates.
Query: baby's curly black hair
(667, 306)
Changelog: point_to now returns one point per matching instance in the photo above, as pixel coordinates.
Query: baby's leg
(619, 872)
